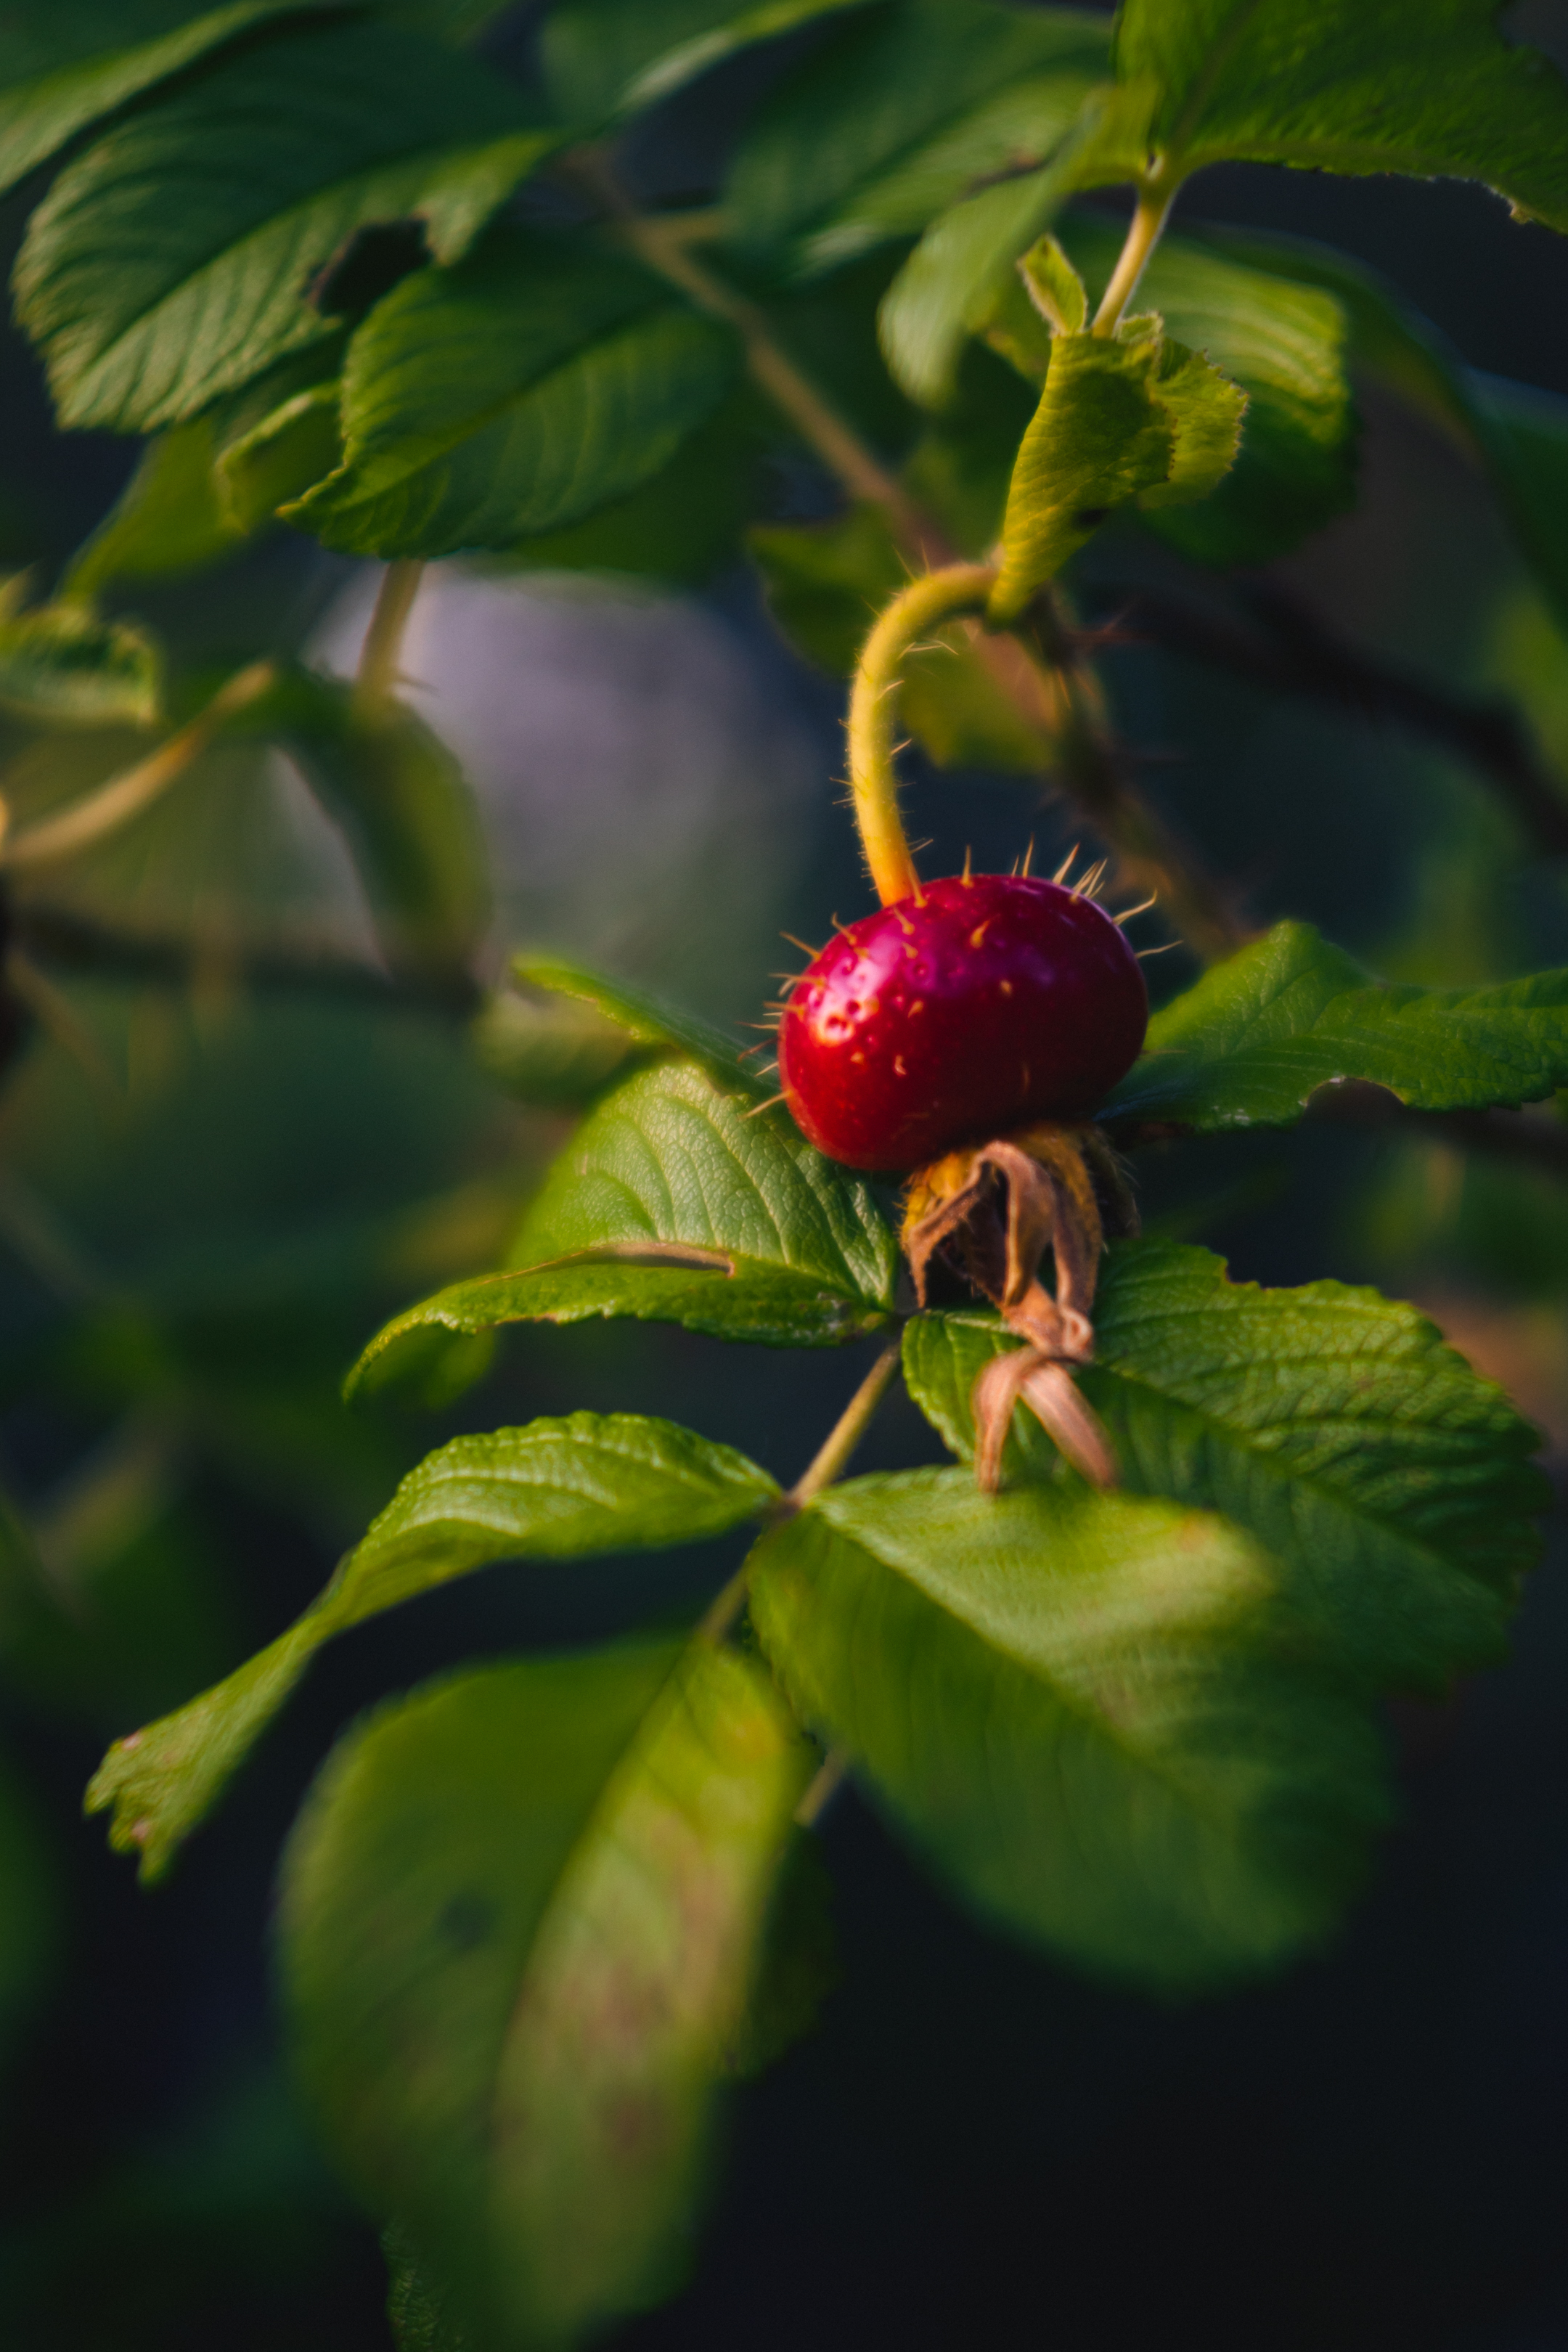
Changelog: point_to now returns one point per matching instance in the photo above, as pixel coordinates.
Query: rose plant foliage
(1115, 1675)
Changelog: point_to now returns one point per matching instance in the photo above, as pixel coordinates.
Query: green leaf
(671, 1204)
(1390, 1483)
(556, 1053)
(1131, 417)
(964, 263)
(509, 397)
(410, 821)
(294, 446)
(1518, 435)
(168, 521)
(1433, 89)
(952, 282)
(605, 59)
(1063, 1700)
(1285, 346)
(678, 527)
(644, 1019)
(1251, 1043)
(419, 2311)
(176, 258)
(901, 114)
(66, 68)
(555, 1490)
(520, 1923)
(825, 580)
(62, 666)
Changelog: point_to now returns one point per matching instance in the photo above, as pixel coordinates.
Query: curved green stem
(1149, 216)
(924, 605)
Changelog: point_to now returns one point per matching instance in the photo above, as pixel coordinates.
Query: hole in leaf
(366, 266)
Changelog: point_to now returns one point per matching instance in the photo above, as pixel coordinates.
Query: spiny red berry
(989, 1001)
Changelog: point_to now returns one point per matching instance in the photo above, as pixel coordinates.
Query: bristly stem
(381, 656)
(1148, 217)
(924, 605)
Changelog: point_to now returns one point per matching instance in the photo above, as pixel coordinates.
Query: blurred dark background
(209, 1196)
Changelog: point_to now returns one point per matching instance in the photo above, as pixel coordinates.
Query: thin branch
(929, 601)
(102, 812)
(1276, 641)
(833, 1458)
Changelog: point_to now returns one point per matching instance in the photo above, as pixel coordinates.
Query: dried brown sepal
(993, 1210)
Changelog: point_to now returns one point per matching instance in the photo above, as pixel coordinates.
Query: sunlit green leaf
(899, 114)
(675, 1202)
(609, 57)
(487, 404)
(1063, 1700)
(670, 1157)
(554, 1490)
(951, 284)
(1391, 1483)
(1251, 1043)
(1285, 346)
(176, 258)
(519, 1924)
(1427, 87)
(1131, 417)
(65, 67)
(62, 665)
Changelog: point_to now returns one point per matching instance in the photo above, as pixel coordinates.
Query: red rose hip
(990, 1000)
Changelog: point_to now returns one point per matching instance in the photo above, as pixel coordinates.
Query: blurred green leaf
(1516, 434)
(484, 404)
(1131, 417)
(899, 114)
(1251, 1043)
(606, 59)
(1426, 86)
(418, 2310)
(555, 1490)
(520, 1924)
(278, 460)
(66, 67)
(176, 259)
(168, 520)
(410, 820)
(558, 1054)
(1063, 1699)
(826, 582)
(1392, 1485)
(59, 664)
(646, 1018)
